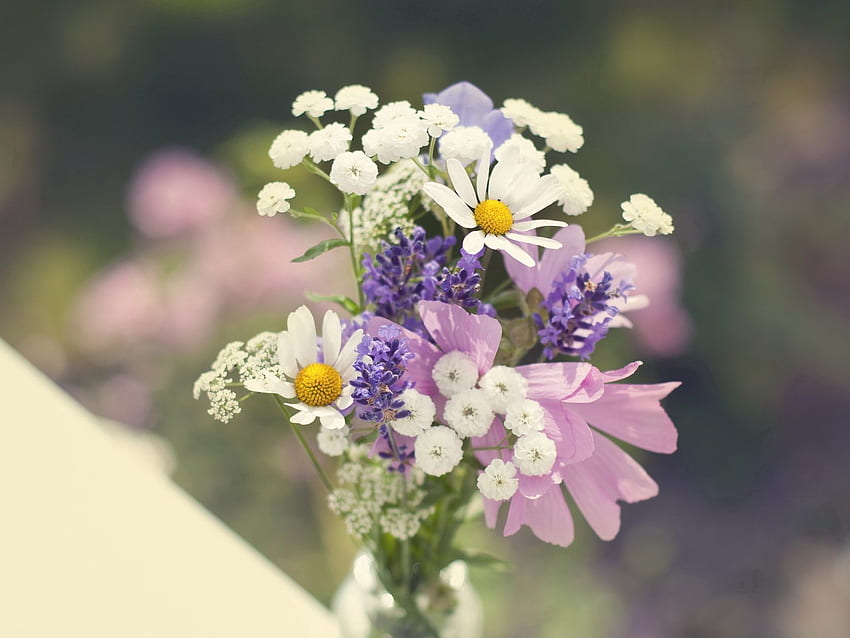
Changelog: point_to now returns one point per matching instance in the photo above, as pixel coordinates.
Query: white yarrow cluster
(502, 386)
(454, 372)
(498, 481)
(328, 142)
(421, 413)
(469, 413)
(574, 194)
(353, 172)
(440, 118)
(534, 453)
(465, 144)
(558, 129)
(273, 198)
(398, 132)
(333, 442)
(646, 216)
(289, 148)
(355, 98)
(313, 103)
(438, 450)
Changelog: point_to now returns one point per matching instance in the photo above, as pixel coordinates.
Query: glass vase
(448, 608)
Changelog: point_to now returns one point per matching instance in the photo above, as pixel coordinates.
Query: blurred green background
(735, 117)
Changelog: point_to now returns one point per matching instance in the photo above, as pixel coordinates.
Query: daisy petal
(499, 242)
(304, 417)
(474, 242)
(333, 421)
(546, 192)
(286, 355)
(348, 353)
(482, 173)
(461, 182)
(545, 242)
(531, 224)
(331, 337)
(450, 202)
(302, 331)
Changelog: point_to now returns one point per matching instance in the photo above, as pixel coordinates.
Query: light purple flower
(474, 108)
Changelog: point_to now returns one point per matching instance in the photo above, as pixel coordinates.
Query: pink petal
(455, 329)
(634, 414)
(599, 482)
(554, 380)
(536, 486)
(573, 438)
(548, 517)
(491, 511)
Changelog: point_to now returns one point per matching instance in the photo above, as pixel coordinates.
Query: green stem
(617, 230)
(322, 475)
(352, 249)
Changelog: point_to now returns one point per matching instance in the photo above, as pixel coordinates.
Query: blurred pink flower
(120, 305)
(663, 328)
(249, 260)
(175, 191)
(124, 398)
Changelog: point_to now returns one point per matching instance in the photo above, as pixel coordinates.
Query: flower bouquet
(455, 382)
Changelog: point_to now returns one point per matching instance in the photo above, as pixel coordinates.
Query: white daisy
(322, 389)
(646, 216)
(499, 208)
(353, 172)
(313, 103)
(289, 148)
(498, 481)
(355, 98)
(272, 199)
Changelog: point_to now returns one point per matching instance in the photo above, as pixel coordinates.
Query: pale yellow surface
(95, 543)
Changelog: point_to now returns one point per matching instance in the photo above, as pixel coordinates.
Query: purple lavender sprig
(579, 311)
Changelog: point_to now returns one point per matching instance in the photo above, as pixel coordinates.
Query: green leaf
(321, 248)
(349, 304)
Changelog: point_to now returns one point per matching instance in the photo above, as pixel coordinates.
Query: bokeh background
(133, 139)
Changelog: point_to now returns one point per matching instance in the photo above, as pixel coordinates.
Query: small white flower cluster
(369, 495)
(398, 132)
(646, 216)
(558, 129)
(473, 402)
(235, 364)
(386, 206)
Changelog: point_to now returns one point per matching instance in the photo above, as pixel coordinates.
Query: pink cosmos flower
(553, 263)
(574, 397)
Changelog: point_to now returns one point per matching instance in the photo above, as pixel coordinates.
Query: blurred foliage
(736, 118)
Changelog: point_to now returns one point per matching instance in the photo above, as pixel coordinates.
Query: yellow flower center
(493, 217)
(318, 384)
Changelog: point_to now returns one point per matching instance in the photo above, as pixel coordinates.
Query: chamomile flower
(438, 450)
(353, 172)
(499, 209)
(646, 216)
(321, 388)
(328, 142)
(273, 198)
(289, 148)
(498, 481)
(355, 98)
(313, 103)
